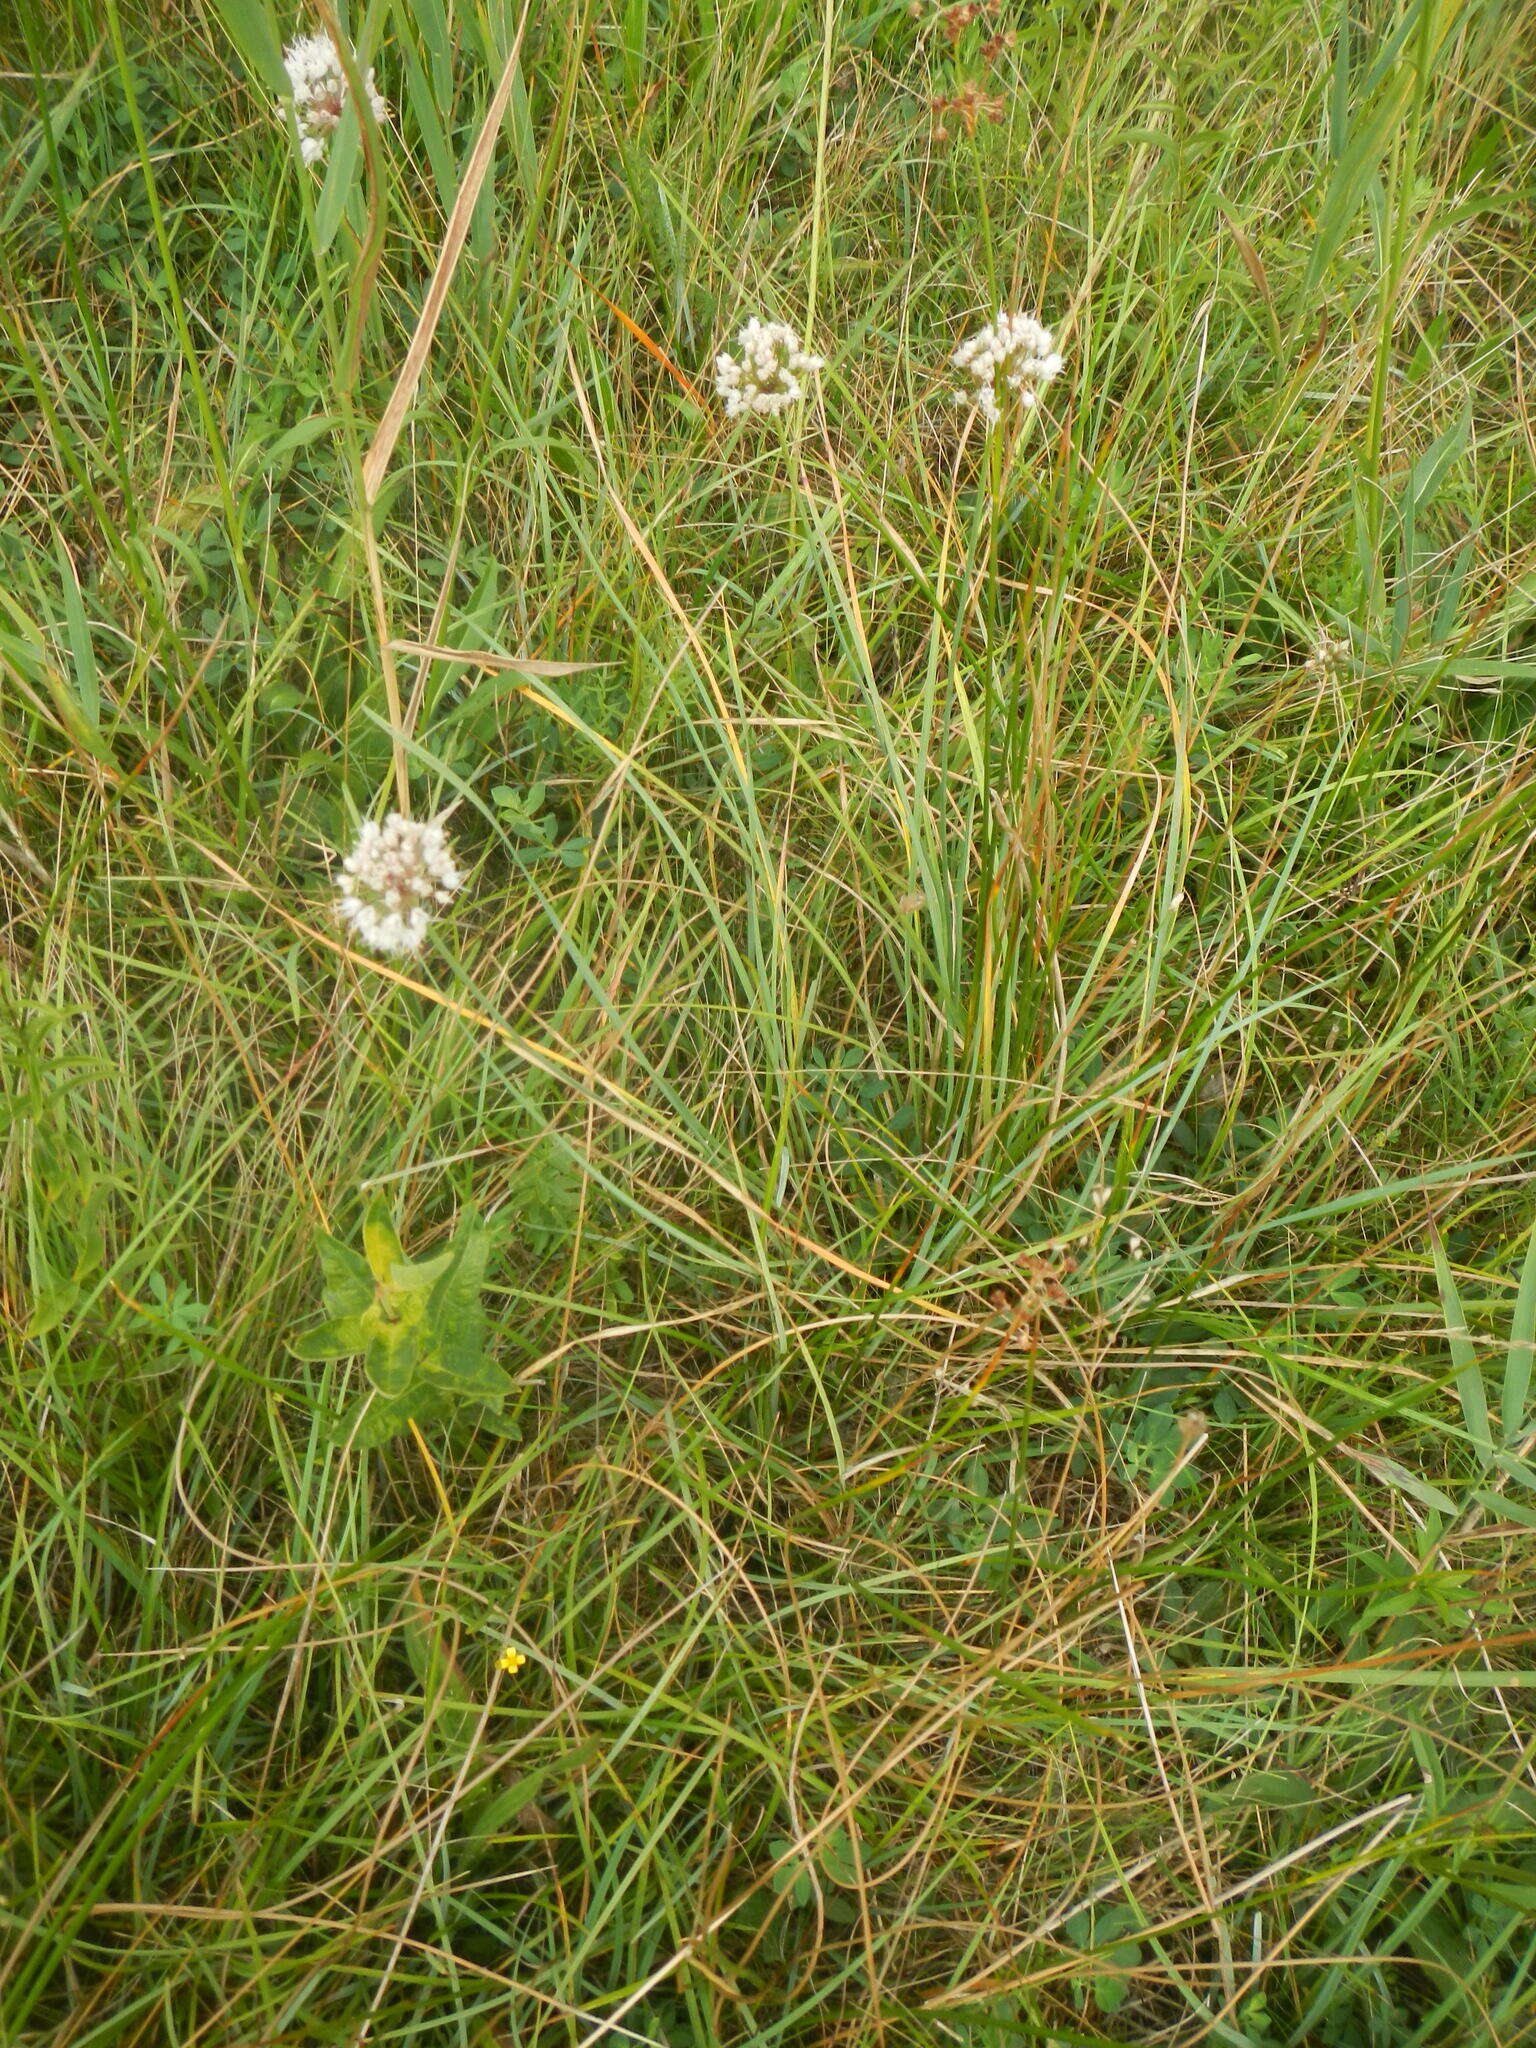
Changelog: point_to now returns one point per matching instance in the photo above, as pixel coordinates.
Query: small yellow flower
(511, 1662)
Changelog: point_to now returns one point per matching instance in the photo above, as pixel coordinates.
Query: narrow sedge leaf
(342, 177)
(475, 170)
(1358, 164)
(1517, 1469)
(421, 107)
(253, 32)
(87, 685)
(1469, 1373)
(1338, 98)
(1502, 1508)
(1515, 1392)
(58, 119)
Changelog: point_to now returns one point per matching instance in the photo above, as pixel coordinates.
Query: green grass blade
(1470, 1390)
(1514, 1397)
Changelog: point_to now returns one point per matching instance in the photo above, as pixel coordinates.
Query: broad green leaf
(1392, 1473)
(422, 1275)
(1424, 479)
(341, 1337)
(456, 1313)
(380, 1241)
(371, 1421)
(453, 1707)
(503, 1807)
(837, 1858)
(793, 1878)
(491, 1416)
(50, 1305)
(1111, 1992)
(348, 1282)
(392, 1359)
(1273, 1788)
(479, 1377)
(420, 1324)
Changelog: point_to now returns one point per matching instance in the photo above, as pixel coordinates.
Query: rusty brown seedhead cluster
(971, 102)
(968, 105)
(1038, 1290)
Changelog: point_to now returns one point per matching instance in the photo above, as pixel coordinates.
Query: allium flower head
(1013, 349)
(394, 879)
(318, 88)
(1329, 658)
(769, 375)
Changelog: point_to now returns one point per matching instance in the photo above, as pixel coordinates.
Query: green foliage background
(1001, 1100)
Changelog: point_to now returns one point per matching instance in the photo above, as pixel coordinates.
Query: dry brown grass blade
(502, 664)
(376, 461)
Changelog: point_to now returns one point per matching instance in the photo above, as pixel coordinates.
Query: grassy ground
(1003, 1097)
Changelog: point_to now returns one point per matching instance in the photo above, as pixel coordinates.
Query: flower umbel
(511, 1662)
(1014, 349)
(770, 375)
(318, 88)
(394, 879)
(1329, 658)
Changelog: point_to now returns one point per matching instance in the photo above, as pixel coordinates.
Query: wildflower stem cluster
(318, 92)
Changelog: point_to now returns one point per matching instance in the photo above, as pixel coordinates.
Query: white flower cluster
(1013, 348)
(318, 89)
(1329, 658)
(396, 876)
(770, 375)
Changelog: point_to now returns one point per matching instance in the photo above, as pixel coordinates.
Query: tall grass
(1005, 1097)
